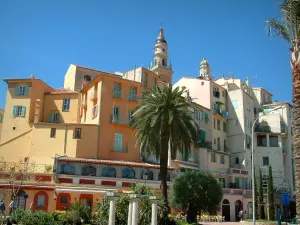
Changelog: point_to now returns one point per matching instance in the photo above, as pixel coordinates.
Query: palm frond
(274, 28)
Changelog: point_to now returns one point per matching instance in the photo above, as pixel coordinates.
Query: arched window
(225, 202)
(67, 169)
(87, 78)
(88, 171)
(63, 201)
(128, 173)
(168, 176)
(109, 172)
(41, 201)
(163, 62)
(149, 173)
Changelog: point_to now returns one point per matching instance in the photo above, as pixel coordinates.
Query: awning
(188, 167)
(220, 103)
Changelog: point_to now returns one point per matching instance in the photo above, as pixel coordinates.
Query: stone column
(135, 209)
(112, 197)
(154, 201)
(129, 213)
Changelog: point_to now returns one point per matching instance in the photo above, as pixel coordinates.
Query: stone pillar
(129, 213)
(134, 210)
(154, 201)
(112, 197)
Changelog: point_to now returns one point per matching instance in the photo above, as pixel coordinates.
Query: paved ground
(223, 223)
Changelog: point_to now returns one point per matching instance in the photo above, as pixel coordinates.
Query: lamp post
(252, 169)
(145, 176)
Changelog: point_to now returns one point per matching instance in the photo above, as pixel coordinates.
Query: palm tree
(288, 28)
(163, 122)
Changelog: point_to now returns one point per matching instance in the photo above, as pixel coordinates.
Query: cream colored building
(1, 120)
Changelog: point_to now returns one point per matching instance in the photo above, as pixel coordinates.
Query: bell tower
(161, 65)
(205, 70)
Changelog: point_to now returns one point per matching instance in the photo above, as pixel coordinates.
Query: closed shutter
(51, 117)
(58, 117)
(17, 90)
(26, 90)
(14, 113)
(23, 111)
(203, 136)
(118, 142)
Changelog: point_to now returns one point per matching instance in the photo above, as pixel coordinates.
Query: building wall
(54, 103)
(1, 121)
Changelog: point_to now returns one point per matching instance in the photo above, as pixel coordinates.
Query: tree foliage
(271, 195)
(163, 121)
(256, 197)
(261, 197)
(196, 191)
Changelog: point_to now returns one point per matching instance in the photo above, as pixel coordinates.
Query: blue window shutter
(17, 90)
(51, 117)
(58, 117)
(26, 90)
(69, 101)
(14, 111)
(23, 110)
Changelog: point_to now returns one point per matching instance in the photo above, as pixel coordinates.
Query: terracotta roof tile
(111, 162)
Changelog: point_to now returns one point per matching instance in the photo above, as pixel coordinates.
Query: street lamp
(252, 169)
(145, 176)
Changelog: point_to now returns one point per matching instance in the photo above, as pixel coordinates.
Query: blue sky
(45, 37)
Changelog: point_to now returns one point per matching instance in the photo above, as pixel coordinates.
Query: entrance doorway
(19, 201)
(238, 208)
(226, 209)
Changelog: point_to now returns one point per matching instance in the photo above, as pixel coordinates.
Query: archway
(226, 209)
(41, 201)
(19, 201)
(238, 208)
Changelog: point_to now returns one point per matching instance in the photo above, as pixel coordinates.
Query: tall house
(209, 94)
(1, 120)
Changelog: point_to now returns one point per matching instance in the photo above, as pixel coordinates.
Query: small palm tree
(288, 28)
(164, 123)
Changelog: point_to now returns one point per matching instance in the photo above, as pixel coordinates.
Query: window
(77, 133)
(109, 172)
(19, 110)
(41, 201)
(198, 114)
(54, 117)
(118, 142)
(237, 160)
(94, 111)
(154, 82)
(265, 160)
(216, 92)
(206, 117)
(213, 157)
(163, 61)
(21, 90)
(1, 118)
(219, 144)
(255, 112)
(234, 104)
(224, 127)
(63, 199)
(132, 94)
(218, 124)
(222, 159)
(117, 90)
(130, 115)
(67, 169)
(87, 78)
(116, 116)
(261, 140)
(225, 146)
(144, 79)
(128, 173)
(53, 133)
(66, 105)
(202, 83)
(88, 171)
(273, 141)
(214, 123)
(248, 142)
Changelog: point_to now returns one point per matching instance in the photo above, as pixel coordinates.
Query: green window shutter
(203, 136)
(51, 117)
(23, 110)
(118, 142)
(17, 90)
(58, 117)
(26, 90)
(14, 113)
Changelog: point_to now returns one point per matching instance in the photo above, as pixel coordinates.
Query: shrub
(17, 215)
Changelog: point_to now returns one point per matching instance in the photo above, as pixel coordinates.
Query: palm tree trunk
(164, 170)
(296, 129)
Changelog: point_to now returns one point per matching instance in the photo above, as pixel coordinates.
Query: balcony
(205, 144)
(194, 160)
(117, 94)
(117, 120)
(235, 171)
(123, 149)
(216, 94)
(218, 111)
(262, 129)
(283, 130)
(233, 191)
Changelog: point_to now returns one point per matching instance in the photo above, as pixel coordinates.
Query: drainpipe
(65, 141)
(99, 117)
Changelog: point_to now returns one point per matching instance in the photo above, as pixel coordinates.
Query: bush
(17, 215)
(77, 214)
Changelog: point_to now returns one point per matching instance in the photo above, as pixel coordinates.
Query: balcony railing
(205, 144)
(262, 129)
(194, 160)
(117, 94)
(218, 111)
(25, 168)
(118, 120)
(120, 149)
(247, 193)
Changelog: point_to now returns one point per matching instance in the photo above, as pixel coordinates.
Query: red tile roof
(62, 91)
(110, 162)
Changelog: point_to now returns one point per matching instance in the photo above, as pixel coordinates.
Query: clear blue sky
(45, 37)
